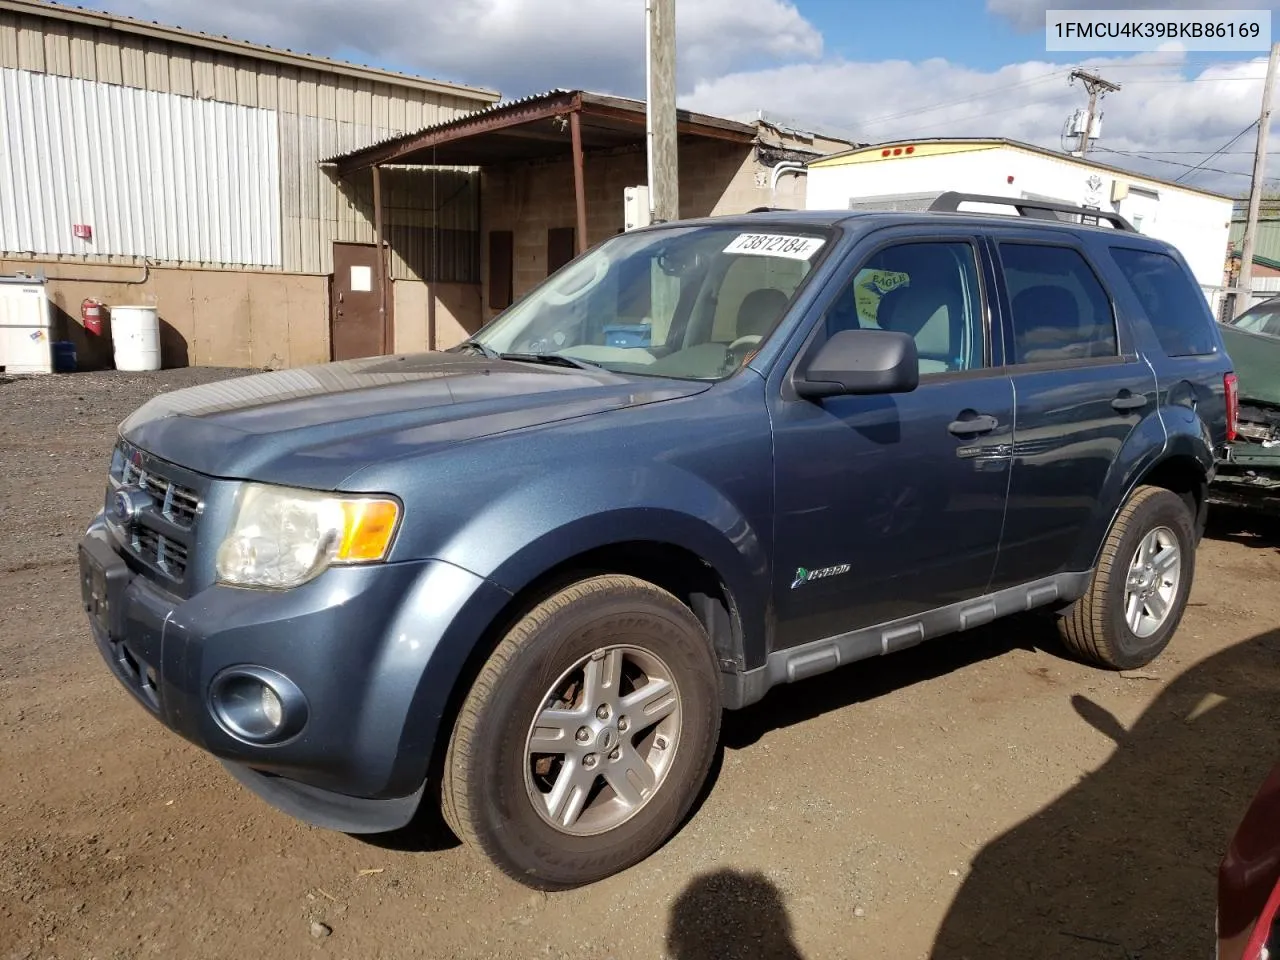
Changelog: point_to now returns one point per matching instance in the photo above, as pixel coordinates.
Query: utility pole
(664, 187)
(1244, 285)
(1095, 85)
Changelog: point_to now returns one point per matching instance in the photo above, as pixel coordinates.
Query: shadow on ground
(1252, 528)
(1124, 864)
(730, 915)
(425, 833)
(1121, 867)
(879, 676)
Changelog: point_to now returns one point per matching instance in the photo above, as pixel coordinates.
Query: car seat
(1047, 321)
(758, 313)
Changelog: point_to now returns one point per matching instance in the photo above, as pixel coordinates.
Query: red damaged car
(1249, 880)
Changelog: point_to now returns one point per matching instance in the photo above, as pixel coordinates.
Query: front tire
(587, 735)
(1139, 590)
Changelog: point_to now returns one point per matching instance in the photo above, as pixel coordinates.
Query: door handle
(1129, 401)
(970, 426)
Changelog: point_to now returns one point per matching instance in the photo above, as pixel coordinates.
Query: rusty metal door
(356, 328)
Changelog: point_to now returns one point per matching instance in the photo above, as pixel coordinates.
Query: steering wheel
(750, 340)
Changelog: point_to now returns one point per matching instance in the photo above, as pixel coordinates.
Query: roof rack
(950, 201)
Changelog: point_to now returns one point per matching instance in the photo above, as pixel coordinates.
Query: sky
(873, 70)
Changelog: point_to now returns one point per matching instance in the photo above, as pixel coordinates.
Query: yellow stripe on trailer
(900, 151)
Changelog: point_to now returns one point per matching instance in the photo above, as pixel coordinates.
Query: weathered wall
(457, 314)
(716, 177)
(320, 112)
(218, 318)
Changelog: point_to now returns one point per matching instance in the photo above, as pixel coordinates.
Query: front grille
(177, 503)
(162, 533)
(165, 552)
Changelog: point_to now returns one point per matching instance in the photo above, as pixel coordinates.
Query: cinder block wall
(218, 318)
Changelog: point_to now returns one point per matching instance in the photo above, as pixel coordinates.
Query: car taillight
(1232, 388)
(1261, 942)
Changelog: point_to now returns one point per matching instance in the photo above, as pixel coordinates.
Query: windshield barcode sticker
(775, 245)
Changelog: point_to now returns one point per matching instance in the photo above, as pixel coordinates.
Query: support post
(579, 187)
(1244, 285)
(664, 187)
(379, 260)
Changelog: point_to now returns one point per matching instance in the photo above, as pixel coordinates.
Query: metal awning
(552, 124)
(532, 128)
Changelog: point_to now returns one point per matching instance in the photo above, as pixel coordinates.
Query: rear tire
(1139, 590)
(587, 735)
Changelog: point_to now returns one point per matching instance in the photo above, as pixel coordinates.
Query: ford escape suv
(522, 578)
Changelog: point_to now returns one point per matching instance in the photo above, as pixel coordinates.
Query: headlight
(282, 537)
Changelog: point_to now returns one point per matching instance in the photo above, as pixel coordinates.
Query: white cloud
(518, 46)
(1028, 15)
(740, 56)
(1157, 110)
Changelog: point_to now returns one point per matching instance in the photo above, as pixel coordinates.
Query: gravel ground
(975, 797)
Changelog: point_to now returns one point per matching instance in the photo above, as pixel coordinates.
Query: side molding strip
(819, 656)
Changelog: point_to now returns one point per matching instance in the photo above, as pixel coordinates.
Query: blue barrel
(64, 356)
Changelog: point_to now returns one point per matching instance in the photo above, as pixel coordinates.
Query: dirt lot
(977, 797)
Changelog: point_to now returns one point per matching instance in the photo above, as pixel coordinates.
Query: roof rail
(950, 201)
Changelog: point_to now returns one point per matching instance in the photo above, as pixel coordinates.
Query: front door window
(927, 290)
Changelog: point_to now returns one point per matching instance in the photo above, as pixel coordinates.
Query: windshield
(1264, 319)
(691, 302)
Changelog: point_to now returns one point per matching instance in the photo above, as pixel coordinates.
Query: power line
(1196, 80)
(1033, 81)
(1251, 125)
(916, 111)
(1211, 153)
(1175, 163)
(992, 113)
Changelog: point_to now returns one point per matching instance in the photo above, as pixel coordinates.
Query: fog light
(272, 708)
(257, 705)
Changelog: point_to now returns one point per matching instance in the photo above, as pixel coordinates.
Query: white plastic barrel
(135, 338)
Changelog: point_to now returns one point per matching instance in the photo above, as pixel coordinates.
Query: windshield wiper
(550, 359)
(480, 348)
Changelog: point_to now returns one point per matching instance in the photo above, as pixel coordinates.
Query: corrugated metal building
(149, 164)
(1266, 253)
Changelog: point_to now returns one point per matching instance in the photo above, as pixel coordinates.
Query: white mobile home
(909, 175)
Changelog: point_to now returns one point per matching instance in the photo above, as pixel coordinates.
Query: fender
(1161, 437)
(538, 526)
(479, 572)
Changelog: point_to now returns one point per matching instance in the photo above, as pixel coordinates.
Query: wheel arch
(1178, 471)
(672, 566)
(1167, 449)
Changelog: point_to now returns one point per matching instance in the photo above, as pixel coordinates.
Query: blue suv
(522, 578)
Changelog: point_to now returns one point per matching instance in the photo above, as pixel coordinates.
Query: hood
(1256, 360)
(315, 426)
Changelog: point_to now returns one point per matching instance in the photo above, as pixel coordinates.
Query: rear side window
(1177, 309)
(1060, 309)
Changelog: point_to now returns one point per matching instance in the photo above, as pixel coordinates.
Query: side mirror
(861, 362)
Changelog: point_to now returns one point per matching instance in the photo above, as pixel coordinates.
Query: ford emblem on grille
(127, 503)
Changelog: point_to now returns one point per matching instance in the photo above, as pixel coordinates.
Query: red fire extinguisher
(91, 315)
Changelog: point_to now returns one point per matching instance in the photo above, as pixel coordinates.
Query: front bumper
(374, 651)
